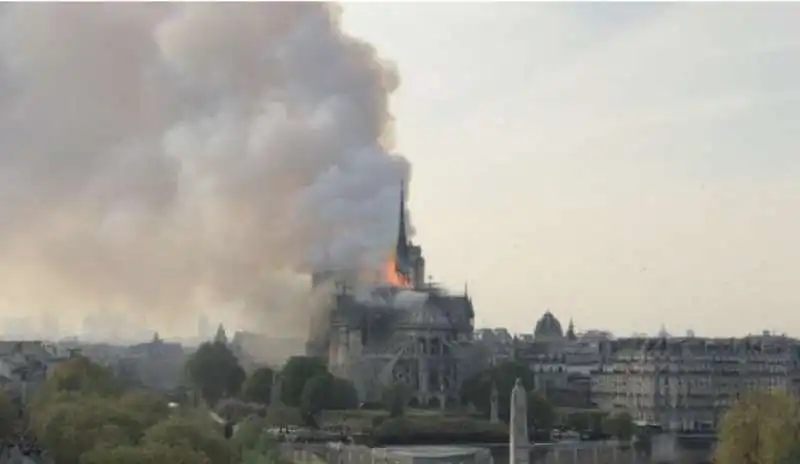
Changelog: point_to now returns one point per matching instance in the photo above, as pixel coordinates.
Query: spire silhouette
(571, 331)
(221, 336)
(402, 248)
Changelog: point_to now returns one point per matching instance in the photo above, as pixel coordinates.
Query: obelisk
(519, 444)
(275, 393)
(494, 413)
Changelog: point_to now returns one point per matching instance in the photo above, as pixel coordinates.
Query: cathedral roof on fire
(548, 327)
(420, 311)
(409, 299)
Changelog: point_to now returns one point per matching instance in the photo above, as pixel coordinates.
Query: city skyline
(623, 165)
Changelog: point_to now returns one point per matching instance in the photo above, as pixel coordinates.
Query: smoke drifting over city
(168, 158)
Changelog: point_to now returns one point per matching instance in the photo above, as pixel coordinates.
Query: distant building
(24, 365)
(677, 383)
(687, 383)
(561, 362)
(156, 364)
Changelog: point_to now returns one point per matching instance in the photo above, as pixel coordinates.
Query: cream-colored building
(686, 383)
(678, 383)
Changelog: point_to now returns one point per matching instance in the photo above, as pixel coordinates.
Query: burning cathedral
(401, 329)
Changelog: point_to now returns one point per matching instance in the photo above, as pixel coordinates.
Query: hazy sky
(625, 165)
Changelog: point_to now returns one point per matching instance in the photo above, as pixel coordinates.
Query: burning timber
(400, 330)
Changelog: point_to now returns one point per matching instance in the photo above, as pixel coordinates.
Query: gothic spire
(402, 240)
(221, 336)
(401, 250)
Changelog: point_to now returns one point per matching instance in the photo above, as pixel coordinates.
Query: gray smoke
(168, 157)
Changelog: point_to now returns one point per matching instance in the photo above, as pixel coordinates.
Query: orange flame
(391, 276)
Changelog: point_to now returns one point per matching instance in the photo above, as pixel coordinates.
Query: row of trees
(82, 414)
(305, 383)
(761, 428)
(8, 416)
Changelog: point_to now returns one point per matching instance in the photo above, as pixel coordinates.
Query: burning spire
(397, 270)
(402, 249)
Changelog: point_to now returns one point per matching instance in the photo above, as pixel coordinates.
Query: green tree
(477, 390)
(150, 454)
(8, 415)
(69, 428)
(247, 435)
(146, 407)
(619, 425)
(760, 428)
(236, 410)
(541, 413)
(343, 394)
(294, 375)
(280, 415)
(214, 370)
(258, 386)
(80, 375)
(578, 420)
(316, 393)
(190, 432)
(395, 397)
(265, 451)
(253, 444)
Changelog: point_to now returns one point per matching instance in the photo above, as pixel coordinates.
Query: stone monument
(494, 413)
(518, 439)
(275, 393)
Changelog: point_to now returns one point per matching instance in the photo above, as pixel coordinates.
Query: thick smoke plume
(162, 158)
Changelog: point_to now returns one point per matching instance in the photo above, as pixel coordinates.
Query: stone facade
(418, 338)
(686, 383)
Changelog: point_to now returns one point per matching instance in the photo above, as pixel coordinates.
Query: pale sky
(626, 165)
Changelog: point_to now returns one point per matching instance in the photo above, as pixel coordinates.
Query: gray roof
(548, 327)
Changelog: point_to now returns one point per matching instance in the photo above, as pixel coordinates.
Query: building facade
(421, 339)
(678, 383)
(686, 383)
